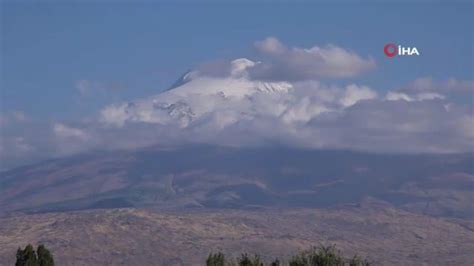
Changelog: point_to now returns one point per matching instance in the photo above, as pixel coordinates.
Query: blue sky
(84, 75)
(142, 48)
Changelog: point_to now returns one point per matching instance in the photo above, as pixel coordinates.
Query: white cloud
(247, 103)
(395, 126)
(292, 64)
(427, 84)
(426, 88)
(64, 131)
(238, 112)
(271, 45)
(395, 96)
(354, 93)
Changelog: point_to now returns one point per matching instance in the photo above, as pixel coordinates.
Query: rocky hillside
(144, 237)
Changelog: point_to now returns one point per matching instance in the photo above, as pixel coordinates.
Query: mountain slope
(210, 176)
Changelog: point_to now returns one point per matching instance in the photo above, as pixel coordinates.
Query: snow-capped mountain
(196, 94)
(228, 105)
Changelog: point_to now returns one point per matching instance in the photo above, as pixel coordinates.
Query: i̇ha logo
(392, 50)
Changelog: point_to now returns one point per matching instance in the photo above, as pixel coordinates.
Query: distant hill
(144, 237)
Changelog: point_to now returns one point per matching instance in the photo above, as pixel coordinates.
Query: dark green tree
(44, 256)
(26, 257)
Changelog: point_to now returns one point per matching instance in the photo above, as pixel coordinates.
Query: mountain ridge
(223, 177)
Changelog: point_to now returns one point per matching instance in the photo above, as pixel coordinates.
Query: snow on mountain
(227, 105)
(185, 78)
(195, 95)
(236, 84)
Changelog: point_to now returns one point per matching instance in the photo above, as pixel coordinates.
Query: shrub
(215, 259)
(246, 260)
(322, 256)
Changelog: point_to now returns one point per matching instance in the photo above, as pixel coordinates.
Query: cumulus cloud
(279, 101)
(306, 114)
(397, 126)
(243, 112)
(427, 84)
(25, 139)
(396, 95)
(293, 64)
(277, 62)
(64, 131)
(426, 88)
(354, 93)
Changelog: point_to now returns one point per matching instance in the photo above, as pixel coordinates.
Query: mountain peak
(183, 79)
